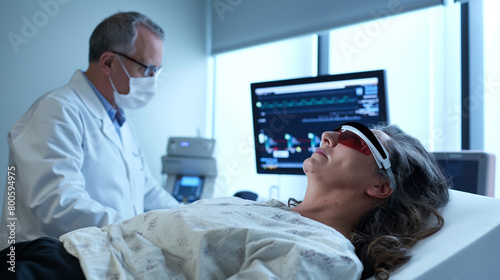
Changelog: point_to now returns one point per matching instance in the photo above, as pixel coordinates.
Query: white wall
(52, 42)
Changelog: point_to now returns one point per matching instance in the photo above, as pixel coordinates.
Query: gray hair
(118, 33)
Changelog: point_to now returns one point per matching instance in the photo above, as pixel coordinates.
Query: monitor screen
(289, 116)
(463, 174)
(188, 189)
(469, 171)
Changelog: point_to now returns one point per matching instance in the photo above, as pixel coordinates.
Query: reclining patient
(371, 195)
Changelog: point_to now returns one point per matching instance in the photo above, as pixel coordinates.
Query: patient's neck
(337, 209)
(330, 216)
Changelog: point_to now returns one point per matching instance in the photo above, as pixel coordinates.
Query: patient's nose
(329, 138)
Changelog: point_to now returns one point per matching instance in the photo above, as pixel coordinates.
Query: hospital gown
(223, 238)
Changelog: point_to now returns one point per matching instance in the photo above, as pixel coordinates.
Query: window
(421, 55)
(491, 82)
(233, 126)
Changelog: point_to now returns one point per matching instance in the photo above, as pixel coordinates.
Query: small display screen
(463, 173)
(188, 189)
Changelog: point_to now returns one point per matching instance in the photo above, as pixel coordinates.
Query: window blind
(241, 23)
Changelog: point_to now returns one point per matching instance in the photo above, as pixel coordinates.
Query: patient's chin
(308, 166)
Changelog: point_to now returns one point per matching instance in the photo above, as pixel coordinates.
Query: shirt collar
(115, 114)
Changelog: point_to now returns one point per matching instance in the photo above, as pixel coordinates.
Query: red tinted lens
(352, 140)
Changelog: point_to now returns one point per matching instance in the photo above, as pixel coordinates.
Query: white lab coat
(72, 170)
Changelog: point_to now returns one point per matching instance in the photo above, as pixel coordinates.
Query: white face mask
(141, 90)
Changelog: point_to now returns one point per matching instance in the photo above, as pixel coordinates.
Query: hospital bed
(467, 247)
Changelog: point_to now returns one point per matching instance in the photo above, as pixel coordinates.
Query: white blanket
(225, 238)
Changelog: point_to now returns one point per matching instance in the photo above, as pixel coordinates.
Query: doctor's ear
(380, 190)
(105, 62)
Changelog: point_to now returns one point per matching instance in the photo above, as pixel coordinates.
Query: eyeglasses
(352, 140)
(148, 70)
(362, 139)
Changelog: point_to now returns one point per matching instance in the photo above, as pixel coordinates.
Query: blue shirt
(117, 115)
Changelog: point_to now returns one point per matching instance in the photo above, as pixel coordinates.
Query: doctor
(76, 158)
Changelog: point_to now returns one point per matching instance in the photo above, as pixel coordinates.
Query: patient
(353, 196)
(379, 191)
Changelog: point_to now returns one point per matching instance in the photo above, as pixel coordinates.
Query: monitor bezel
(382, 95)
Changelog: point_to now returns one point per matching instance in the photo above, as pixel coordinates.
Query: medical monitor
(289, 116)
(470, 171)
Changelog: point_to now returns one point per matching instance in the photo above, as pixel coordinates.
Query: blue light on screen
(190, 181)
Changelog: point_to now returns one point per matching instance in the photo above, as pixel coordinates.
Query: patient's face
(337, 165)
